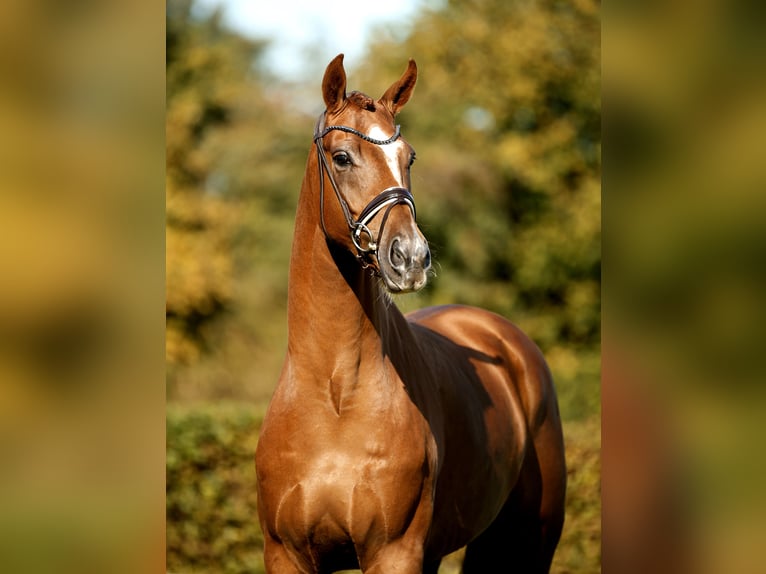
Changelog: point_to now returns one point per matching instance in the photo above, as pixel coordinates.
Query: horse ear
(399, 93)
(334, 84)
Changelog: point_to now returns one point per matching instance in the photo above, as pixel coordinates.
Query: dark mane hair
(362, 101)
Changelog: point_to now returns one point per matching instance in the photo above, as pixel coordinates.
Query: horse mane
(362, 101)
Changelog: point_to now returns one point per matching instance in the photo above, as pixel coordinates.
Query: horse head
(366, 161)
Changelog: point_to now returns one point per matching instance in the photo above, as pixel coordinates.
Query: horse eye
(412, 159)
(342, 159)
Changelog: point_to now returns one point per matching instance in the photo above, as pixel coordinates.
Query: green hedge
(579, 551)
(212, 525)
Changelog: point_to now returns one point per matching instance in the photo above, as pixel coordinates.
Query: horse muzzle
(404, 262)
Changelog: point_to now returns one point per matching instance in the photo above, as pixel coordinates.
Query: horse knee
(396, 558)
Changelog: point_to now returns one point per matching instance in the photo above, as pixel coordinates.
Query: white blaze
(391, 151)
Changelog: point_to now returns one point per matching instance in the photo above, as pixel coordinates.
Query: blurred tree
(235, 153)
(207, 71)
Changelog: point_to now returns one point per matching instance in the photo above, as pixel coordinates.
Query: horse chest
(333, 461)
(339, 482)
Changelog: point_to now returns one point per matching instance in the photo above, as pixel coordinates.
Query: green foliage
(232, 179)
(579, 551)
(204, 64)
(212, 524)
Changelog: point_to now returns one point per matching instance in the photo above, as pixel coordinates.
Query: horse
(391, 441)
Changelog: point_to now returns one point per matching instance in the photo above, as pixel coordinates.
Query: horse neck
(338, 314)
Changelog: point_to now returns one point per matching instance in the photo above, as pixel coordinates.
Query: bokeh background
(82, 124)
(683, 393)
(87, 207)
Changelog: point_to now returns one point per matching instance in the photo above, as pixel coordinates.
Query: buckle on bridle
(356, 235)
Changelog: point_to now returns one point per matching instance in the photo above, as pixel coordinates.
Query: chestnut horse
(391, 441)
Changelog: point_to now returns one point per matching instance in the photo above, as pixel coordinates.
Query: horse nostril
(427, 259)
(398, 259)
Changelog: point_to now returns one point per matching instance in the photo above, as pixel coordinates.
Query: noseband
(385, 200)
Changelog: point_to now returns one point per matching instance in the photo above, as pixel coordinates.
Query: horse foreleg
(408, 565)
(277, 560)
(397, 558)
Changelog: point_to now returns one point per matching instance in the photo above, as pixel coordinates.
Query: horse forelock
(362, 101)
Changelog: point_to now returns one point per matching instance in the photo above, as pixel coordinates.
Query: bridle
(385, 200)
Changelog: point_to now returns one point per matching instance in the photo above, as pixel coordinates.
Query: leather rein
(385, 200)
